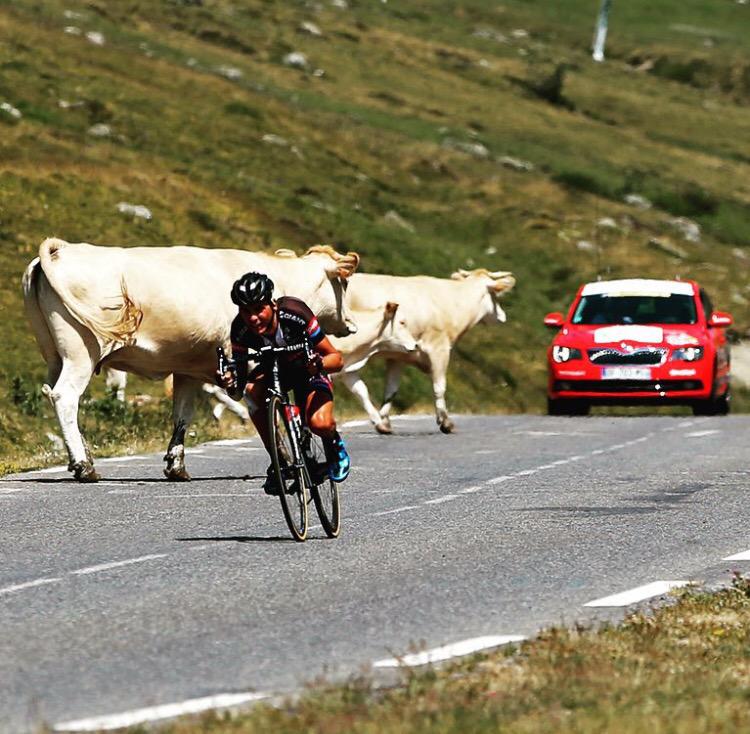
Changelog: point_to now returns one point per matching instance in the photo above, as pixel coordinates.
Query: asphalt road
(137, 592)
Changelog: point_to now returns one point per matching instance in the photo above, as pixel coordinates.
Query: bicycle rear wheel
(325, 493)
(288, 466)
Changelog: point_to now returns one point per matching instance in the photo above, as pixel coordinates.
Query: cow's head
(493, 285)
(328, 300)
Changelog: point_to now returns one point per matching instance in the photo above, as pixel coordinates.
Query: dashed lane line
(446, 652)
(29, 585)
(158, 713)
(117, 564)
(744, 556)
(640, 593)
(701, 434)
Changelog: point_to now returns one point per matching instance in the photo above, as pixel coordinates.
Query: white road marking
(500, 479)
(117, 564)
(397, 509)
(454, 650)
(471, 490)
(207, 494)
(440, 500)
(156, 713)
(50, 470)
(744, 556)
(625, 598)
(700, 434)
(525, 473)
(354, 424)
(28, 585)
(418, 417)
(685, 424)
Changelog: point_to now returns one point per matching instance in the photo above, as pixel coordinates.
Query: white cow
(437, 312)
(377, 330)
(155, 311)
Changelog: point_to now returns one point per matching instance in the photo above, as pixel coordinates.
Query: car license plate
(626, 373)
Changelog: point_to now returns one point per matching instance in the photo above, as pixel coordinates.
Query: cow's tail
(123, 323)
(30, 282)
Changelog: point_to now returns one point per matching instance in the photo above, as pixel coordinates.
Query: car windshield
(605, 309)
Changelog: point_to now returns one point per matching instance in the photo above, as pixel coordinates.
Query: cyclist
(263, 321)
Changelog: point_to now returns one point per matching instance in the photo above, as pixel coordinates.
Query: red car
(639, 341)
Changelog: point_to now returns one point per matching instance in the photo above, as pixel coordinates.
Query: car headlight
(687, 354)
(565, 354)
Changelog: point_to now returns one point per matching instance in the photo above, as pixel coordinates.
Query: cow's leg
(439, 359)
(71, 353)
(116, 382)
(393, 371)
(357, 385)
(185, 390)
(225, 402)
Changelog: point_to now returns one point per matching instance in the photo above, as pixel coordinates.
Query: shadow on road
(247, 539)
(139, 480)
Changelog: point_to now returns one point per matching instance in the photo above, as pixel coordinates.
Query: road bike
(297, 454)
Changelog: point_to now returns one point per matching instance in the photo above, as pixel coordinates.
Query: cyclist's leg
(320, 418)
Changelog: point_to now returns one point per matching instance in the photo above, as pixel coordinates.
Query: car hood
(634, 335)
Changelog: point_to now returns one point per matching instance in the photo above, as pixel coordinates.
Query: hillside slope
(428, 136)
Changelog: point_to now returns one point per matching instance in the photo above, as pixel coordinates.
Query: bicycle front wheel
(288, 466)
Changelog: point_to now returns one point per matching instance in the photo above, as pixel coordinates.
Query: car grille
(621, 386)
(645, 355)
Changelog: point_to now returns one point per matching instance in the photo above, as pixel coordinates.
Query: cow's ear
(390, 310)
(347, 264)
(460, 274)
(501, 282)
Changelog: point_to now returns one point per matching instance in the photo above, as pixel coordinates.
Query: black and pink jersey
(296, 323)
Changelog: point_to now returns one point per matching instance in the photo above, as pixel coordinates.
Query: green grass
(402, 88)
(682, 668)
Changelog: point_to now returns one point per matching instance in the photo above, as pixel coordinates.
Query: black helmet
(252, 288)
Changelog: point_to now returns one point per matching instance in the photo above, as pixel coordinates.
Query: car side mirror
(720, 319)
(554, 320)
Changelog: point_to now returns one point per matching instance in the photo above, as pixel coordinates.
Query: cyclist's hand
(315, 365)
(226, 380)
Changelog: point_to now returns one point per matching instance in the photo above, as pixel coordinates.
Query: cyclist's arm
(239, 355)
(333, 361)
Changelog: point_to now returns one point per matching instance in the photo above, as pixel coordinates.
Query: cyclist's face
(258, 317)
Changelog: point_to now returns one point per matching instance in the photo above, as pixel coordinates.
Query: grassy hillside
(194, 109)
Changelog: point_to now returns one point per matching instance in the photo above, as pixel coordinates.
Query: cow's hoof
(177, 475)
(84, 471)
(447, 426)
(384, 428)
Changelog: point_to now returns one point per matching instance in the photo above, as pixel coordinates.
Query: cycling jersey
(296, 323)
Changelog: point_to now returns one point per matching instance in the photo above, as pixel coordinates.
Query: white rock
(191, 62)
(519, 33)
(484, 64)
(340, 4)
(740, 254)
(490, 250)
(72, 15)
(100, 130)
(273, 139)
(230, 72)
(10, 112)
(638, 201)
(689, 229)
(72, 30)
(478, 150)
(137, 211)
(95, 37)
(586, 246)
(517, 164)
(307, 27)
(607, 223)
(490, 34)
(295, 59)
(319, 73)
(394, 219)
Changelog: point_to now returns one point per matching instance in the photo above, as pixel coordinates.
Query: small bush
(27, 398)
